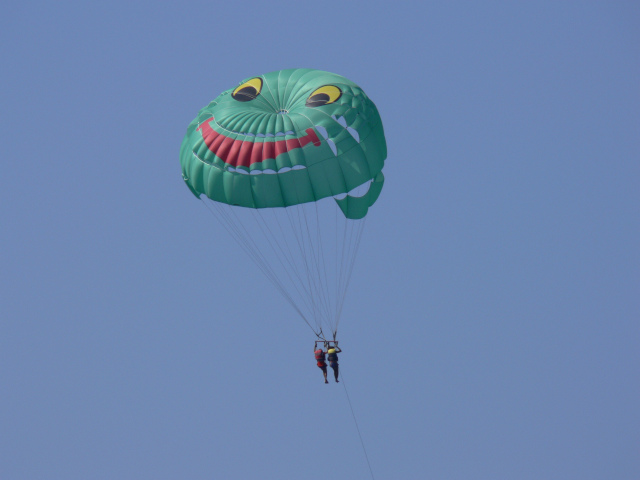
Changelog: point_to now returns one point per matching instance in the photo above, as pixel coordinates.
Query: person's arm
(338, 350)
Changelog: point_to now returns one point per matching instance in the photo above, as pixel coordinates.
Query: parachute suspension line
(245, 241)
(291, 260)
(255, 253)
(295, 221)
(304, 245)
(341, 249)
(327, 295)
(315, 258)
(315, 264)
(234, 229)
(295, 257)
(342, 263)
(336, 270)
(287, 250)
(353, 253)
(267, 266)
(356, 422)
(305, 268)
(290, 239)
(356, 247)
(272, 238)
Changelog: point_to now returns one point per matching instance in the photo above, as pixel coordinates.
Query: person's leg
(335, 371)
(324, 372)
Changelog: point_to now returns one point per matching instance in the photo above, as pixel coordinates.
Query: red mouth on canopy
(240, 153)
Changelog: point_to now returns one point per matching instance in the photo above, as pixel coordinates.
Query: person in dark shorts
(333, 352)
(320, 359)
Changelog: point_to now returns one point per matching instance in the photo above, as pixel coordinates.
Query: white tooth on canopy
(322, 131)
(359, 191)
(354, 133)
(334, 149)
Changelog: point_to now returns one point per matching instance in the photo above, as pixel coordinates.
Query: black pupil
(317, 100)
(246, 94)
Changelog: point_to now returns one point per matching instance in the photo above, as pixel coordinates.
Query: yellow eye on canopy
(323, 96)
(248, 91)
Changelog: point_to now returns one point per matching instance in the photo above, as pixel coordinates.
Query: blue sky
(491, 330)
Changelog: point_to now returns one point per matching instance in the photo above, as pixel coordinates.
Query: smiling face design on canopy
(285, 138)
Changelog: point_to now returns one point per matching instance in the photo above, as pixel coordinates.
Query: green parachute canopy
(286, 138)
(302, 151)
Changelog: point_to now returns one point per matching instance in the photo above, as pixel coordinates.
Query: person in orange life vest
(320, 358)
(333, 360)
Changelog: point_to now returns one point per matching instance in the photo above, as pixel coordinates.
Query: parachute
(290, 163)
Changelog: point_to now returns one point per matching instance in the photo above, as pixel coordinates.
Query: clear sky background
(491, 329)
